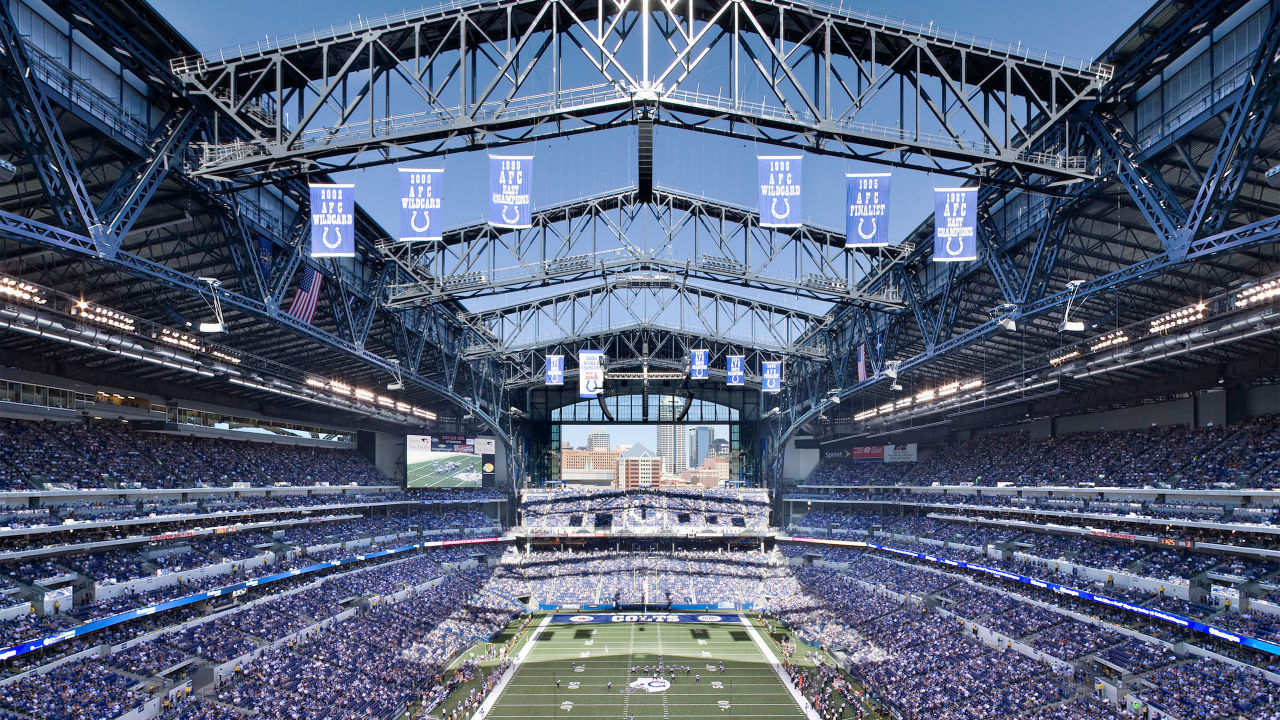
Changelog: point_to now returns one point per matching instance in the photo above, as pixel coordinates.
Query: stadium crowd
(1166, 563)
(1241, 455)
(637, 577)
(369, 641)
(611, 510)
(1039, 507)
(75, 455)
(927, 663)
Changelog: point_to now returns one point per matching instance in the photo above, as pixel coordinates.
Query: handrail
(199, 63)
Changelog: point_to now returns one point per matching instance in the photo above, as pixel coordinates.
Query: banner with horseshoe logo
(590, 373)
(779, 190)
(866, 218)
(333, 220)
(735, 370)
(555, 370)
(421, 196)
(955, 224)
(699, 364)
(510, 191)
(771, 376)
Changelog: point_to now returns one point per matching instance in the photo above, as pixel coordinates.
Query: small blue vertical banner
(699, 364)
(510, 188)
(555, 369)
(955, 224)
(266, 256)
(735, 370)
(866, 218)
(779, 190)
(333, 221)
(421, 197)
(771, 376)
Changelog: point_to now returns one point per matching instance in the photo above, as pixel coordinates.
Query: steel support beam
(1245, 125)
(1146, 186)
(42, 138)
(829, 77)
(32, 232)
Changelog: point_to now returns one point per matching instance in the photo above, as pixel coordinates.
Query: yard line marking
(631, 648)
(489, 702)
(666, 707)
(777, 667)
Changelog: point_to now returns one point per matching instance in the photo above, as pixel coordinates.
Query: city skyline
(621, 434)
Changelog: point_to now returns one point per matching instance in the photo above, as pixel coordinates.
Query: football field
(445, 470)
(566, 668)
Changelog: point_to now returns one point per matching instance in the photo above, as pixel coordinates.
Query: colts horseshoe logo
(510, 220)
(957, 250)
(773, 209)
(651, 685)
(324, 237)
(426, 221)
(864, 235)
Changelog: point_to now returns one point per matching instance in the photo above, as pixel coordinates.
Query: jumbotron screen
(444, 461)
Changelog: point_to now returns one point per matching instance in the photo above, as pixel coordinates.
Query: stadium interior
(298, 422)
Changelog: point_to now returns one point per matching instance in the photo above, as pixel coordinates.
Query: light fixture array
(225, 357)
(18, 290)
(1115, 338)
(179, 339)
(1177, 319)
(1255, 294)
(345, 391)
(953, 390)
(86, 310)
(1064, 357)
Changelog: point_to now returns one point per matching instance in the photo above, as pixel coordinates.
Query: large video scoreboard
(442, 461)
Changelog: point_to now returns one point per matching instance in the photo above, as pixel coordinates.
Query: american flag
(304, 302)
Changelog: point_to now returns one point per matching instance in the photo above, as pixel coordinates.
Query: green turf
(748, 688)
(433, 473)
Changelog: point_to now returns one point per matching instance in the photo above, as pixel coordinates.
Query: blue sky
(716, 167)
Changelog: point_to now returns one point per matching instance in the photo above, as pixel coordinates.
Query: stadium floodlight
(896, 386)
(891, 368)
(1009, 324)
(1057, 360)
(1178, 318)
(7, 171)
(102, 315)
(1260, 292)
(15, 289)
(1110, 340)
